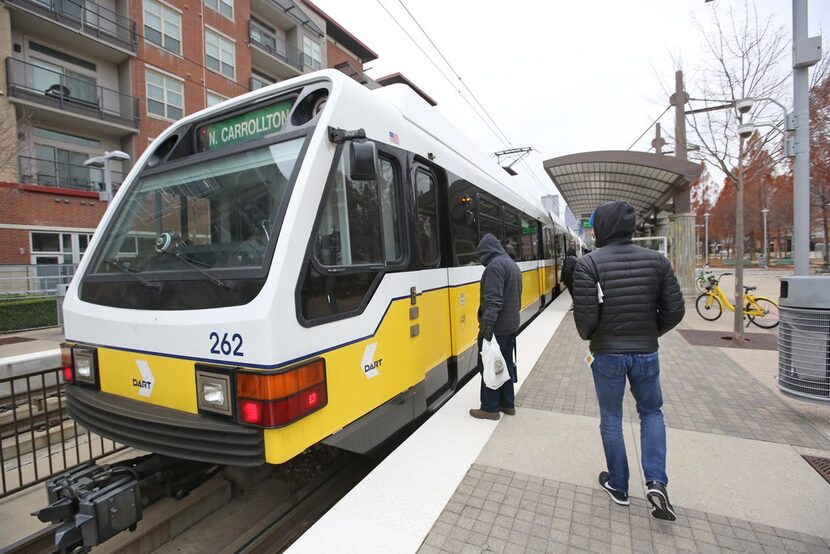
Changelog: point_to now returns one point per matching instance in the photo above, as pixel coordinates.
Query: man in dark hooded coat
(498, 316)
(568, 267)
(625, 297)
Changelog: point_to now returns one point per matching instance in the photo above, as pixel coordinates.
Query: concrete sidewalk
(738, 481)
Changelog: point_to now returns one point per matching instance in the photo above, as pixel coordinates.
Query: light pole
(764, 212)
(706, 239)
(103, 162)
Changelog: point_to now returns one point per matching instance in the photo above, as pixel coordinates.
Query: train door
(429, 310)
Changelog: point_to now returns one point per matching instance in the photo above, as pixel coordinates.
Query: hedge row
(27, 314)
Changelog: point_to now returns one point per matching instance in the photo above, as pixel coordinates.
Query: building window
(220, 54)
(213, 98)
(311, 53)
(165, 95)
(64, 137)
(225, 7)
(259, 81)
(57, 167)
(48, 78)
(163, 26)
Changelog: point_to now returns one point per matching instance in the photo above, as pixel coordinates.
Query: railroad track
(273, 532)
(279, 529)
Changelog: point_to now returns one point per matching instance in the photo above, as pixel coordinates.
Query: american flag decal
(394, 138)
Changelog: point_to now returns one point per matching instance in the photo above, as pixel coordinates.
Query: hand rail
(51, 173)
(277, 47)
(89, 17)
(46, 86)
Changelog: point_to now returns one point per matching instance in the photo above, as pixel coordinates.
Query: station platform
(528, 483)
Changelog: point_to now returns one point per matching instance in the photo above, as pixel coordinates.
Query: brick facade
(45, 208)
(190, 67)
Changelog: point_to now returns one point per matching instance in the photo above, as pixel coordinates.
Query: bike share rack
(804, 337)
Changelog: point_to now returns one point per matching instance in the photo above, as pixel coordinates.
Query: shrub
(27, 313)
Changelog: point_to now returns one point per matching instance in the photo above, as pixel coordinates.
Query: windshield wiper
(132, 273)
(195, 265)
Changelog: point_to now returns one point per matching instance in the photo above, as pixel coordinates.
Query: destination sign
(244, 128)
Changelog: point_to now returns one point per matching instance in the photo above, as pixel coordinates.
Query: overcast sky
(562, 76)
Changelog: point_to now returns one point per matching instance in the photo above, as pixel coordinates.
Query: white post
(706, 239)
(764, 212)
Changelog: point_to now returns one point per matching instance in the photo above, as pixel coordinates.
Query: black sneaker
(659, 498)
(619, 497)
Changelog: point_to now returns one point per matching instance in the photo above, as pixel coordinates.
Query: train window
(529, 239)
(425, 200)
(390, 219)
(464, 229)
(220, 214)
(512, 234)
(489, 218)
(348, 230)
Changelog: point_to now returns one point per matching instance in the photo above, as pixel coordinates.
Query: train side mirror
(363, 157)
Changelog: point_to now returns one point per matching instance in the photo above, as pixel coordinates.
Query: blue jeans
(643, 372)
(504, 396)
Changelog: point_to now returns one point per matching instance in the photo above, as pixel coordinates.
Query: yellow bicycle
(760, 310)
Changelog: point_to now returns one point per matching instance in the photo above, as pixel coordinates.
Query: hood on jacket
(570, 252)
(489, 248)
(613, 222)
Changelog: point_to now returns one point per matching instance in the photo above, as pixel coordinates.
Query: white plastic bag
(495, 368)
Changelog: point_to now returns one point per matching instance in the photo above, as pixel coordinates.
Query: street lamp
(706, 239)
(764, 212)
(103, 162)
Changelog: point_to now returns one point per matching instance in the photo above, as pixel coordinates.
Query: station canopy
(646, 181)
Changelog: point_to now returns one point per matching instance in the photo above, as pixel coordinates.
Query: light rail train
(292, 266)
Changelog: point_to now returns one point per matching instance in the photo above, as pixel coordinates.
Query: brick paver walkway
(495, 510)
(703, 390)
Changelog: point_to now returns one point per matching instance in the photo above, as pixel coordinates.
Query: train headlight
(277, 399)
(84, 363)
(213, 391)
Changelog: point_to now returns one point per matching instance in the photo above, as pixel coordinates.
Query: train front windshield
(211, 222)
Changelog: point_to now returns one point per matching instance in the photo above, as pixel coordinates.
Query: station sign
(585, 223)
(243, 128)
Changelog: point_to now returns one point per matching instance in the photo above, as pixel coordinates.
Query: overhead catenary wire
(653, 123)
(440, 71)
(491, 124)
(460, 80)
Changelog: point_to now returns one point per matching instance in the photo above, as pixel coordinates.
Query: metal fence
(39, 439)
(29, 295)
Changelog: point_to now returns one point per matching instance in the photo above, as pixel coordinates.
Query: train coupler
(94, 503)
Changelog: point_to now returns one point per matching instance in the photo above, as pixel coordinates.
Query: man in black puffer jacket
(498, 316)
(624, 298)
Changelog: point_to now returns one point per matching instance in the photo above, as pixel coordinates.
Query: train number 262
(225, 346)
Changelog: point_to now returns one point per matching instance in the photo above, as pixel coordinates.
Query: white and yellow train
(292, 266)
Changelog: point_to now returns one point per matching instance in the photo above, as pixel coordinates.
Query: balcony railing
(51, 173)
(353, 72)
(87, 17)
(44, 86)
(275, 46)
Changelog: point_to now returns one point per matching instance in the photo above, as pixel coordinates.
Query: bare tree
(745, 54)
(9, 144)
(820, 149)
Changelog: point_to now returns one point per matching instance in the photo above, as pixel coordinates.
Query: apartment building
(82, 77)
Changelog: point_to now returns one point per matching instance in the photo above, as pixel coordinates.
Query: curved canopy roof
(644, 180)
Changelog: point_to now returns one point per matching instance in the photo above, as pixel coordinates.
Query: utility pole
(806, 52)
(683, 220)
(658, 143)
